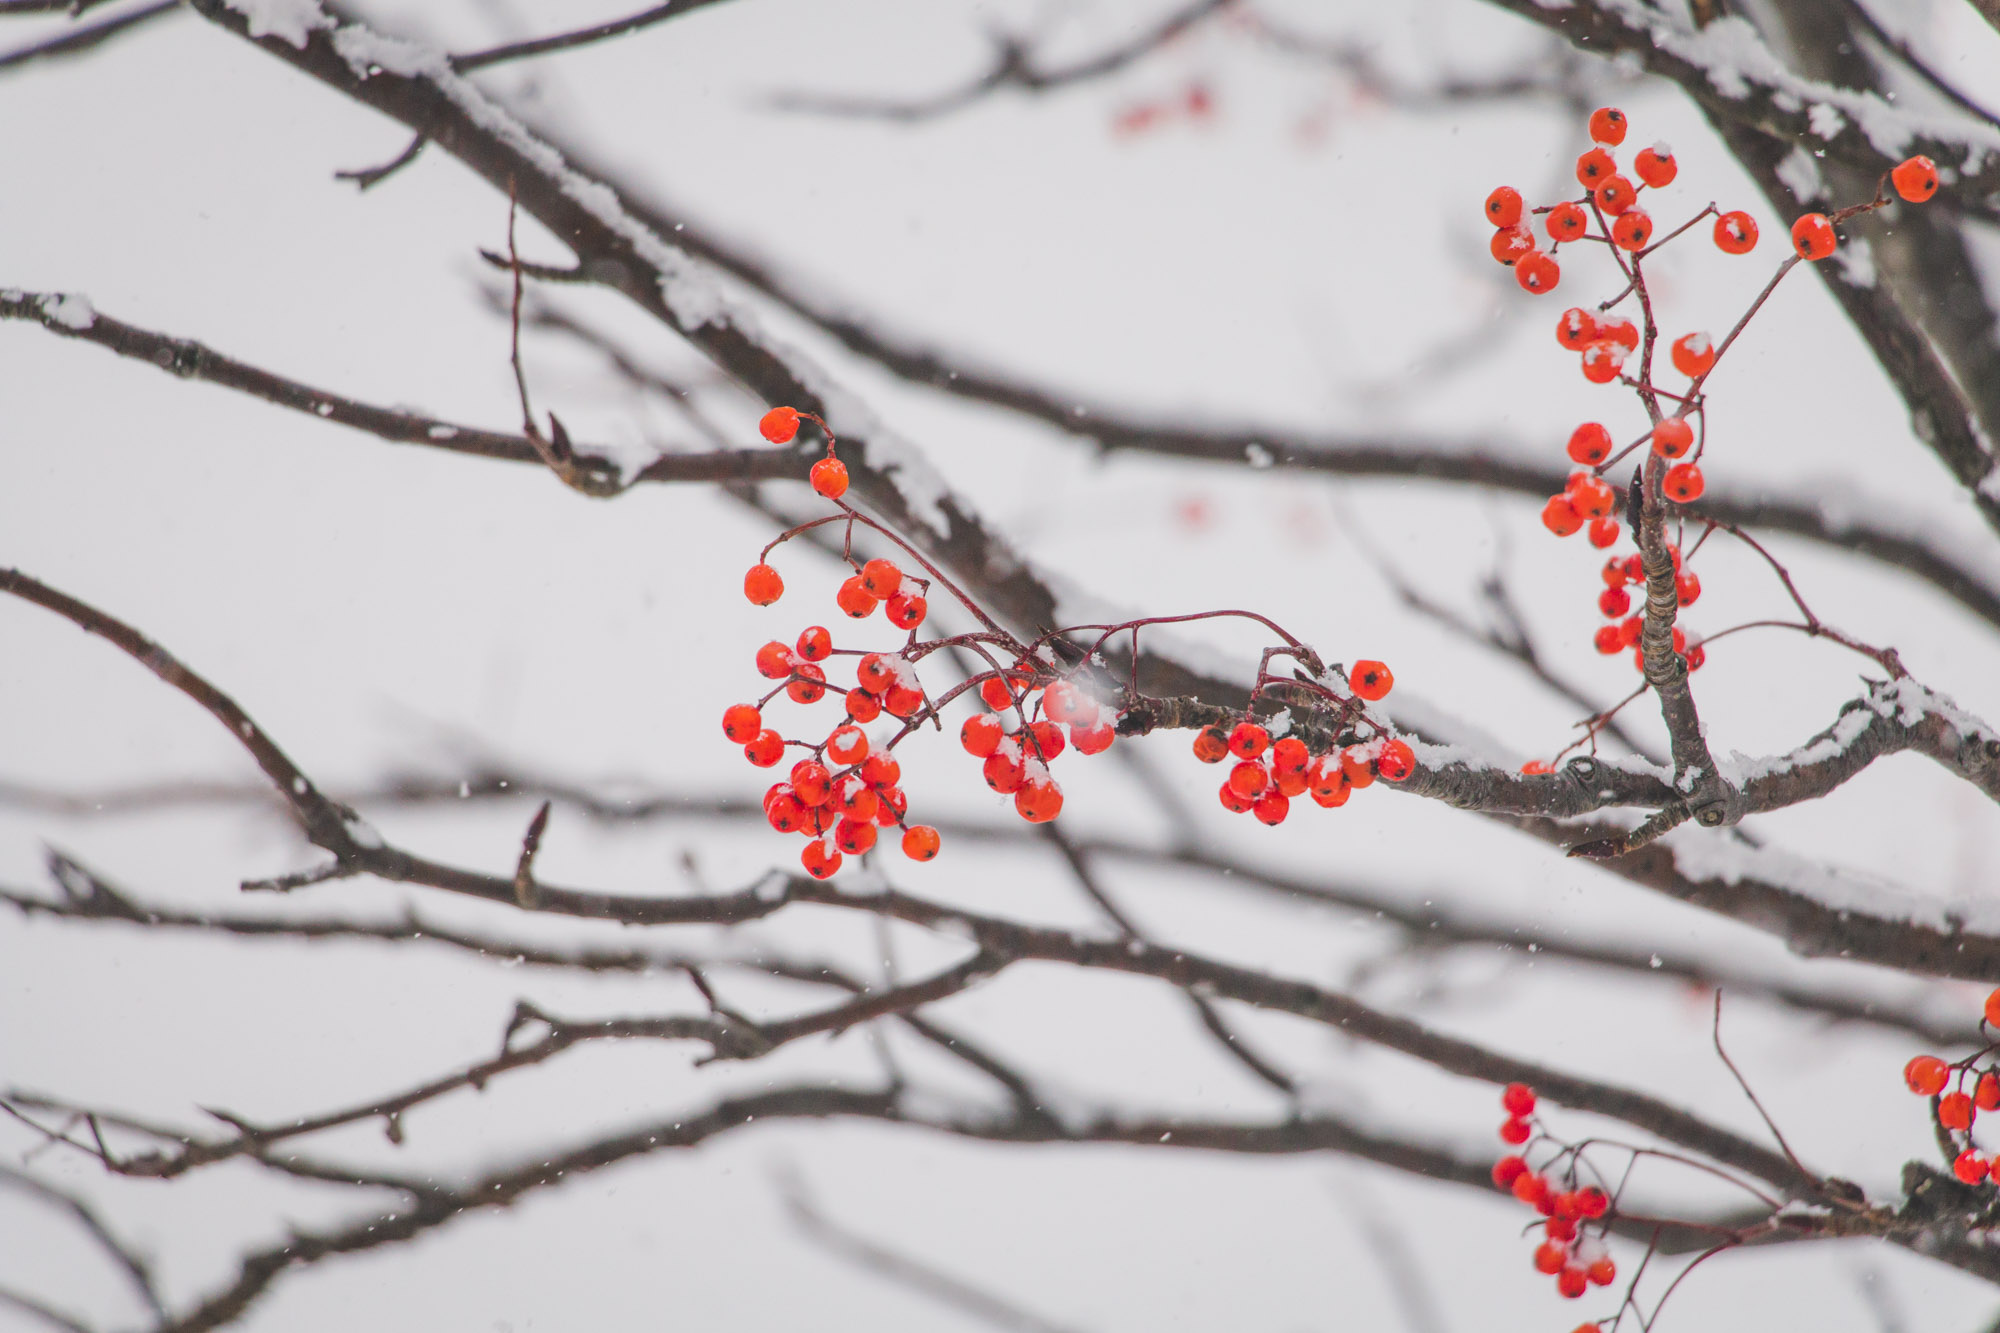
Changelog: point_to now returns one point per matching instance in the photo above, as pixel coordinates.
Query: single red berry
(1560, 517)
(1615, 195)
(863, 706)
(1672, 437)
(1630, 628)
(1327, 783)
(1039, 800)
(1614, 573)
(882, 578)
(829, 477)
(1632, 230)
(901, 700)
(780, 425)
(1614, 602)
(1047, 740)
(1602, 1272)
(1696, 655)
(1248, 740)
(1589, 444)
(855, 798)
(1560, 1228)
(1531, 1188)
(1571, 1283)
(818, 861)
(774, 661)
(892, 806)
(1607, 126)
(906, 610)
(1503, 206)
(1592, 1201)
(920, 842)
(815, 644)
(1656, 165)
(880, 769)
(853, 598)
(1396, 762)
(1926, 1075)
(1986, 1093)
(1954, 1111)
(1064, 702)
(1635, 568)
(1211, 745)
(1537, 272)
(764, 749)
(1736, 233)
(1093, 739)
(1003, 770)
(1535, 767)
(1604, 532)
(1687, 588)
(1993, 1009)
(1510, 243)
(1592, 496)
(1356, 768)
(848, 745)
(1970, 1167)
(1594, 166)
(811, 783)
(783, 811)
(1683, 483)
(1550, 1256)
(1272, 807)
(1812, 236)
(1566, 222)
(1693, 354)
(854, 836)
(1516, 1131)
(1509, 1169)
(1566, 1206)
(808, 684)
(1371, 680)
(1576, 329)
(1249, 778)
(762, 585)
(1607, 640)
(1290, 784)
(1915, 178)
(1518, 1099)
(1234, 801)
(742, 722)
(1619, 330)
(1289, 755)
(1602, 361)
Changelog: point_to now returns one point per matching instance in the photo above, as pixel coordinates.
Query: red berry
(1003, 770)
(1571, 1283)
(1354, 766)
(848, 745)
(853, 836)
(853, 598)
(1592, 1201)
(1272, 807)
(780, 425)
(1633, 230)
(783, 811)
(1687, 588)
(1608, 640)
(811, 783)
(1537, 272)
(1550, 1256)
(1094, 739)
(1970, 1167)
(1510, 243)
(1736, 233)
(1047, 740)
(1683, 483)
(774, 661)
(808, 684)
(762, 585)
(1629, 630)
(1371, 680)
(920, 842)
(765, 749)
(1560, 1228)
(880, 769)
(1589, 444)
(1235, 802)
(1503, 206)
(1604, 532)
(1993, 1008)
(1211, 745)
(1576, 329)
(1693, 354)
(907, 610)
(1656, 165)
(1954, 1111)
(818, 861)
(1531, 1188)
(1607, 126)
(1039, 800)
(1602, 1272)
(1560, 517)
(1986, 1093)
(1696, 655)
(1508, 1170)
(1614, 194)
(1516, 1131)
(882, 579)
(815, 644)
(1619, 330)
(863, 706)
(855, 798)
(1064, 702)
(1567, 222)
(894, 805)
(1926, 1075)
(1602, 361)
(1915, 178)
(1592, 497)
(1248, 778)
(742, 722)
(1396, 762)
(1812, 236)
(1248, 740)
(1614, 602)
(1672, 437)
(1518, 1099)
(1289, 756)
(902, 700)
(1594, 166)
(1614, 573)
(1535, 767)
(829, 478)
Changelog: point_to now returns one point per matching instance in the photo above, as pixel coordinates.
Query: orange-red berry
(1211, 745)
(853, 598)
(882, 579)
(1248, 740)
(829, 478)
(1354, 766)
(1986, 1092)
(1589, 444)
(1632, 230)
(1736, 233)
(1607, 126)
(808, 684)
(1970, 1167)
(1812, 236)
(1560, 517)
(811, 783)
(1509, 1169)
(1571, 1283)
(1039, 800)
(1593, 167)
(1235, 802)
(1602, 1272)
(1503, 206)
(880, 769)
(774, 661)
(1607, 640)
(1576, 328)
(1510, 243)
(1672, 437)
(1248, 778)
(1093, 739)
(1915, 178)
(1602, 361)
(1614, 602)
(920, 842)
(1371, 680)
(854, 836)
(1516, 1131)
(765, 749)
(1550, 1256)
(1926, 1075)
(1566, 222)
(1272, 807)
(863, 706)
(1604, 532)
(762, 585)
(1693, 354)
(1687, 588)
(1993, 1008)
(780, 425)
(1683, 483)
(1003, 770)
(1614, 194)
(1619, 330)
(1954, 1111)
(1396, 762)
(906, 610)
(847, 745)
(815, 644)
(818, 861)
(1656, 165)
(1537, 272)
(742, 722)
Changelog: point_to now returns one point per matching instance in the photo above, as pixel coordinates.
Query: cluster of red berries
(1928, 1076)
(1568, 1252)
(1016, 742)
(1615, 601)
(1269, 773)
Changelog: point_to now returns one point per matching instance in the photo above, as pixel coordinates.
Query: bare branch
(569, 41)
